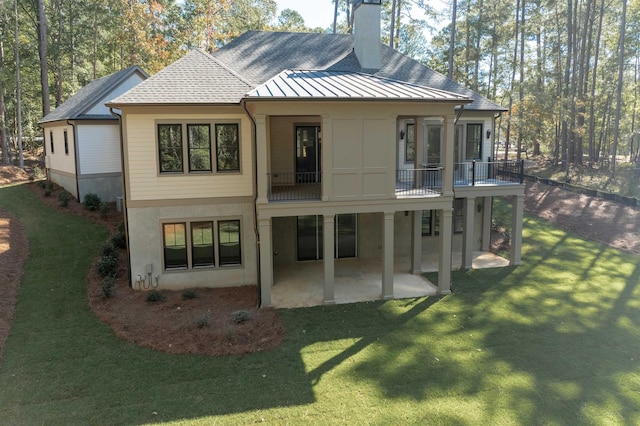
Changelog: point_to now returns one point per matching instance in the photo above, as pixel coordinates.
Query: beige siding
(99, 148)
(144, 180)
(59, 160)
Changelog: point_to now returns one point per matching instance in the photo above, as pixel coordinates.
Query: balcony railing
(488, 173)
(419, 182)
(294, 186)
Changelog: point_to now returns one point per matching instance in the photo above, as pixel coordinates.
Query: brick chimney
(366, 33)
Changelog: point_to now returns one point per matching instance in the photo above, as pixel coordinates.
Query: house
(82, 138)
(311, 150)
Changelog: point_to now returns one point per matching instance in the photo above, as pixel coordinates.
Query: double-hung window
(201, 244)
(66, 143)
(474, 142)
(410, 143)
(51, 142)
(189, 147)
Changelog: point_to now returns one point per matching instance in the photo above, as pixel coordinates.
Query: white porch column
(444, 266)
(416, 242)
(262, 158)
(486, 224)
(266, 260)
(387, 259)
(469, 232)
(517, 216)
(448, 154)
(419, 142)
(329, 258)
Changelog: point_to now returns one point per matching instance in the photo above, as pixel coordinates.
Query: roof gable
(80, 105)
(196, 78)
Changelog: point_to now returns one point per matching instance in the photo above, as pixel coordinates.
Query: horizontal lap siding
(99, 147)
(59, 160)
(146, 184)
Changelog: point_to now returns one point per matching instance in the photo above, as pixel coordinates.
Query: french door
(308, 154)
(310, 241)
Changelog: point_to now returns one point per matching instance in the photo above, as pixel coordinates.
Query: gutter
(124, 193)
(254, 140)
(77, 155)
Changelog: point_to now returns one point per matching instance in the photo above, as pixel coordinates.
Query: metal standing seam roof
(325, 84)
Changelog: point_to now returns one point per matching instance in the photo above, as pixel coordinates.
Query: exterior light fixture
(488, 133)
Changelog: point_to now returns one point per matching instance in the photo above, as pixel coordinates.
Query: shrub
(104, 209)
(107, 286)
(47, 192)
(155, 296)
(119, 240)
(42, 184)
(109, 249)
(64, 197)
(92, 202)
(49, 186)
(240, 316)
(121, 227)
(204, 321)
(108, 266)
(189, 294)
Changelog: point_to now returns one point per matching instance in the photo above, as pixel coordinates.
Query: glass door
(308, 154)
(310, 240)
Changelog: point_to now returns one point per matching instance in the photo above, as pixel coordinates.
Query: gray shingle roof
(259, 56)
(196, 78)
(346, 85)
(83, 100)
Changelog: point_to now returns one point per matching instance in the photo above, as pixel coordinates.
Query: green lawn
(554, 341)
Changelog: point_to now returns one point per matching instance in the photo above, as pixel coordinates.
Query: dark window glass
(199, 139)
(346, 235)
(170, 147)
(474, 141)
(175, 245)
(458, 215)
(430, 223)
(51, 141)
(227, 147)
(410, 143)
(229, 242)
(434, 141)
(66, 143)
(202, 244)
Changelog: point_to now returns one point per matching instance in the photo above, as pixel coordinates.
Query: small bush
(204, 321)
(92, 202)
(121, 227)
(108, 266)
(47, 192)
(64, 197)
(155, 296)
(228, 333)
(107, 286)
(109, 249)
(104, 209)
(119, 240)
(49, 186)
(189, 294)
(240, 316)
(42, 184)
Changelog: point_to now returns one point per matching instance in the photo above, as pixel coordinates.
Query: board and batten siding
(99, 148)
(146, 183)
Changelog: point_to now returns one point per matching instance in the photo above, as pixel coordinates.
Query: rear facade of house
(288, 149)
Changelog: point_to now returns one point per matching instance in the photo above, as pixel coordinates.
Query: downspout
(124, 194)
(254, 140)
(458, 115)
(77, 155)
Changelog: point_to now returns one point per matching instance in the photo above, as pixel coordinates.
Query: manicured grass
(554, 341)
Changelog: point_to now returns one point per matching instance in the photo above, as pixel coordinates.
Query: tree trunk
(452, 38)
(594, 75)
(42, 51)
(335, 16)
(512, 81)
(18, 90)
(4, 141)
(616, 124)
(521, 88)
(392, 24)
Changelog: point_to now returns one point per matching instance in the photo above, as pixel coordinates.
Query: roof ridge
(223, 65)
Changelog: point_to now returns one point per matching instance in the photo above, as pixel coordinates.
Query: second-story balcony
(423, 182)
(488, 173)
(300, 186)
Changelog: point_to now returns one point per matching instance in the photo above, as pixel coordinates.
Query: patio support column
(416, 242)
(266, 261)
(329, 258)
(262, 158)
(467, 237)
(444, 266)
(517, 216)
(486, 224)
(387, 259)
(419, 140)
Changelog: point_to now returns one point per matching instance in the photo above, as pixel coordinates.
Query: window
(194, 245)
(410, 143)
(430, 223)
(434, 142)
(458, 215)
(51, 141)
(202, 244)
(199, 139)
(175, 246)
(474, 141)
(170, 147)
(229, 242)
(66, 143)
(227, 147)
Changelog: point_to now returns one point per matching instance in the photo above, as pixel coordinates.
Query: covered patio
(359, 280)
